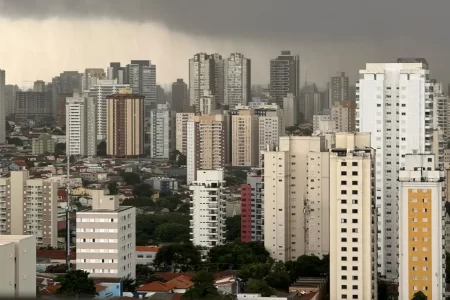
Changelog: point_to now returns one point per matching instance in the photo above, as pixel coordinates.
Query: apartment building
(353, 261)
(162, 133)
(81, 134)
(421, 228)
(252, 209)
(284, 76)
(206, 103)
(3, 106)
(290, 110)
(18, 261)
(182, 120)
(31, 106)
(237, 80)
(343, 115)
(245, 137)
(207, 142)
(207, 212)
(29, 207)
(296, 207)
(339, 89)
(394, 105)
(125, 124)
(106, 238)
(43, 144)
(271, 126)
(318, 120)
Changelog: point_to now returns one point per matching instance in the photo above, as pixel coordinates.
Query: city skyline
(99, 25)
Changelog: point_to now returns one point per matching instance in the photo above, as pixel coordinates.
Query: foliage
(60, 149)
(176, 157)
(256, 271)
(204, 287)
(184, 208)
(183, 257)
(259, 287)
(232, 181)
(145, 274)
(142, 190)
(138, 202)
(131, 178)
(419, 296)
(278, 276)
(170, 202)
(172, 233)
(113, 188)
(129, 284)
(238, 254)
(76, 283)
(60, 268)
(147, 228)
(308, 266)
(101, 149)
(15, 141)
(233, 233)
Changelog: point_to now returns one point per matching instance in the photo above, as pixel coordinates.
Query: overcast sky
(40, 39)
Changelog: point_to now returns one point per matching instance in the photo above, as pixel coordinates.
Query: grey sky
(329, 35)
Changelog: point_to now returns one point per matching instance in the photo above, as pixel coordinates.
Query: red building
(252, 212)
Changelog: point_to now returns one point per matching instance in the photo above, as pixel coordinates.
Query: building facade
(339, 89)
(180, 95)
(30, 207)
(182, 120)
(142, 80)
(106, 238)
(290, 110)
(44, 144)
(270, 127)
(237, 80)
(353, 263)
(162, 133)
(244, 137)
(284, 76)
(2, 107)
(343, 115)
(31, 106)
(252, 209)
(208, 209)
(125, 124)
(421, 228)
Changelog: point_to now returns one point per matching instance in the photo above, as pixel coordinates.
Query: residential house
(146, 254)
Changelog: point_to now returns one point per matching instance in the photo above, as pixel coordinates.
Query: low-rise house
(178, 285)
(146, 254)
(164, 184)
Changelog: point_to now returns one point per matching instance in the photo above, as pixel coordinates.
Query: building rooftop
(121, 208)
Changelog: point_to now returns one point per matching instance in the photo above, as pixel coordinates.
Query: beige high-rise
(296, 205)
(244, 137)
(343, 115)
(125, 124)
(181, 131)
(207, 139)
(29, 207)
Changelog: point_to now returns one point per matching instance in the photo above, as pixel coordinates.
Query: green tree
(419, 296)
(129, 284)
(131, 178)
(184, 208)
(101, 149)
(255, 271)
(258, 287)
(139, 202)
(233, 225)
(170, 202)
(60, 149)
(113, 188)
(235, 255)
(203, 287)
(145, 274)
(278, 276)
(146, 226)
(142, 190)
(308, 266)
(184, 257)
(172, 233)
(15, 141)
(76, 283)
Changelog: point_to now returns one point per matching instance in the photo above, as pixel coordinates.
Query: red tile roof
(99, 288)
(20, 163)
(181, 282)
(147, 248)
(155, 286)
(55, 254)
(169, 275)
(49, 290)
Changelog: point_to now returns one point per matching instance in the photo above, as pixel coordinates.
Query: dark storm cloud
(296, 19)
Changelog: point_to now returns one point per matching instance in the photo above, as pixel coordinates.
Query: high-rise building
(70, 82)
(290, 110)
(207, 142)
(284, 76)
(99, 93)
(18, 261)
(31, 208)
(106, 238)
(180, 95)
(91, 77)
(2, 107)
(353, 226)
(10, 98)
(61, 115)
(206, 103)
(208, 209)
(393, 104)
(343, 115)
(160, 97)
(252, 209)
(271, 127)
(181, 141)
(44, 144)
(237, 80)
(125, 124)
(441, 116)
(142, 79)
(310, 103)
(244, 137)
(81, 134)
(421, 228)
(338, 89)
(296, 198)
(116, 72)
(31, 106)
(39, 86)
(162, 133)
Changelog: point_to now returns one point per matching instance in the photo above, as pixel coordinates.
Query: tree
(142, 190)
(235, 255)
(113, 188)
(258, 287)
(60, 268)
(233, 225)
(308, 266)
(278, 276)
(172, 233)
(101, 149)
(184, 208)
(170, 202)
(129, 284)
(76, 283)
(254, 271)
(419, 296)
(147, 226)
(203, 287)
(15, 141)
(184, 257)
(60, 149)
(131, 178)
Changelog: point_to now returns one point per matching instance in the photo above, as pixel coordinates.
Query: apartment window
(343, 182)
(355, 201)
(343, 239)
(343, 249)
(354, 211)
(343, 173)
(344, 287)
(355, 287)
(343, 220)
(355, 249)
(354, 192)
(343, 268)
(354, 163)
(344, 201)
(354, 258)
(343, 164)
(354, 277)
(354, 240)
(344, 258)
(344, 277)
(343, 192)
(355, 268)
(355, 230)
(355, 221)
(354, 182)
(343, 229)
(343, 211)
(344, 296)
(354, 173)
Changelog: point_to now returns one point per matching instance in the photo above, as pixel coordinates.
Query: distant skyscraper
(244, 137)
(31, 106)
(339, 89)
(91, 77)
(162, 131)
(39, 86)
(180, 95)
(10, 98)
(237, 80)
(115, 71)
(142, 79)
(2, 107)
(343, 115)
(284, 76)
(310, 103)
(160, 97)
(181, 131)
(69, 82)
(290, 110)
(125, 124)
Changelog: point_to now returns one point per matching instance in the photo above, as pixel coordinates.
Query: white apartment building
(296, 198)
(244, 137)
(393, 104)
(29, 207)
(2, 107)
(99, 92)
(343, 115)
(319, 119)
(206, 103)
(202, 76)
(353, 261)
(181, 131)
(81, 136)
(106, 238)
(18, 262)
(207, 141)
(421, 228)
(208, 209)
(162, 133)
(271, 127)
(237, 83)
(290, 110)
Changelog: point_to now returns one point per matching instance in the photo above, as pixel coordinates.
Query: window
(354, 211)
(344, 201)
(354, 258)
(355, 201)
(343, 173)
(355, 249)
(344, 287)
(343, 164)
(355, 221)
(343, 239)
(343, 220)
(343, 229)
(355, 268)
(343, 192)
(343, 211)
(355, 277)
(343, 268)
(344, 258)
(344, 249)
(354, 173)
(355, 164)
(343, 182)
(354, 182)
(354, 192)
(343, 277)
(354, 240)
(355, 287)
